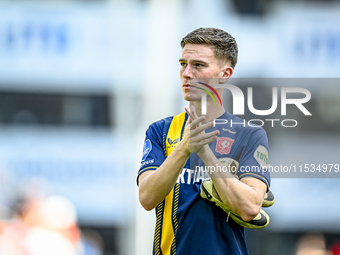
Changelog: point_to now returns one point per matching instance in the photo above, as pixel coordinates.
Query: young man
(176, 148)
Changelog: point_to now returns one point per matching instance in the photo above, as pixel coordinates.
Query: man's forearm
(154, 186)
(242, 198)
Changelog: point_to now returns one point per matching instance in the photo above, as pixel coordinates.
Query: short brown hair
(225, 45)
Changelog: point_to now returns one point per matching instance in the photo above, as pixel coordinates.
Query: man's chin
(186, 98)
(191, 99)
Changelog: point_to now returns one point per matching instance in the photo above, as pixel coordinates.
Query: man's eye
(183, 64)
(198, 65)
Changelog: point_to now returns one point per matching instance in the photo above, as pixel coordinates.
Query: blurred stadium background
(80, 81)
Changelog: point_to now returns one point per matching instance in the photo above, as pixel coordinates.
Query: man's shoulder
(160, 124)
(165, 122)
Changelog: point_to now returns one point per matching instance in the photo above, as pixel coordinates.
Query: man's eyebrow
(194, 60)
(199, 61)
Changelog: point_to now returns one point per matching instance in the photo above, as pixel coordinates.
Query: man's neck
(213, 111)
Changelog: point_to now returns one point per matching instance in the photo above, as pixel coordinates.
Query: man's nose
(187, 73)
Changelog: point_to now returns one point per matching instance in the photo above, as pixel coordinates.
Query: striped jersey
(185, 223)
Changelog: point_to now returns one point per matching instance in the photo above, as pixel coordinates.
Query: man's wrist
(205, 152)
(183, 150)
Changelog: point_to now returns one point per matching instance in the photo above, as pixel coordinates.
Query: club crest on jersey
(146, 149)
(224, 144)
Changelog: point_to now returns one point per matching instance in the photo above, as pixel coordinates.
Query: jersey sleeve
(153, 154)
(254, 160)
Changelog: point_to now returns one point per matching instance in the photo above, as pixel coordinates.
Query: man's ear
(227, 73)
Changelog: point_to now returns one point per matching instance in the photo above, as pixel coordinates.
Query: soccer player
(176, 149)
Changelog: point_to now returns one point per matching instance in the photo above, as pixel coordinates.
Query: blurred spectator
(12, 238)
(13, 229)
(92, 243)
(312, 244)
(45, 225)
(335, 248)
(53, 228)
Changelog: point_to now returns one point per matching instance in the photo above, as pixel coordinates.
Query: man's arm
(154, 186)
(243, 196)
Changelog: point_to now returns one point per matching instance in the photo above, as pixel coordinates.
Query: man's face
(198, 61)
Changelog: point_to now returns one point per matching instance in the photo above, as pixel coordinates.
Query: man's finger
(204, 136)
(196, 122)
(208, 141)
(190, 119)
(190, 112)
(194, 111)
(198, 145)
(194, 130)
